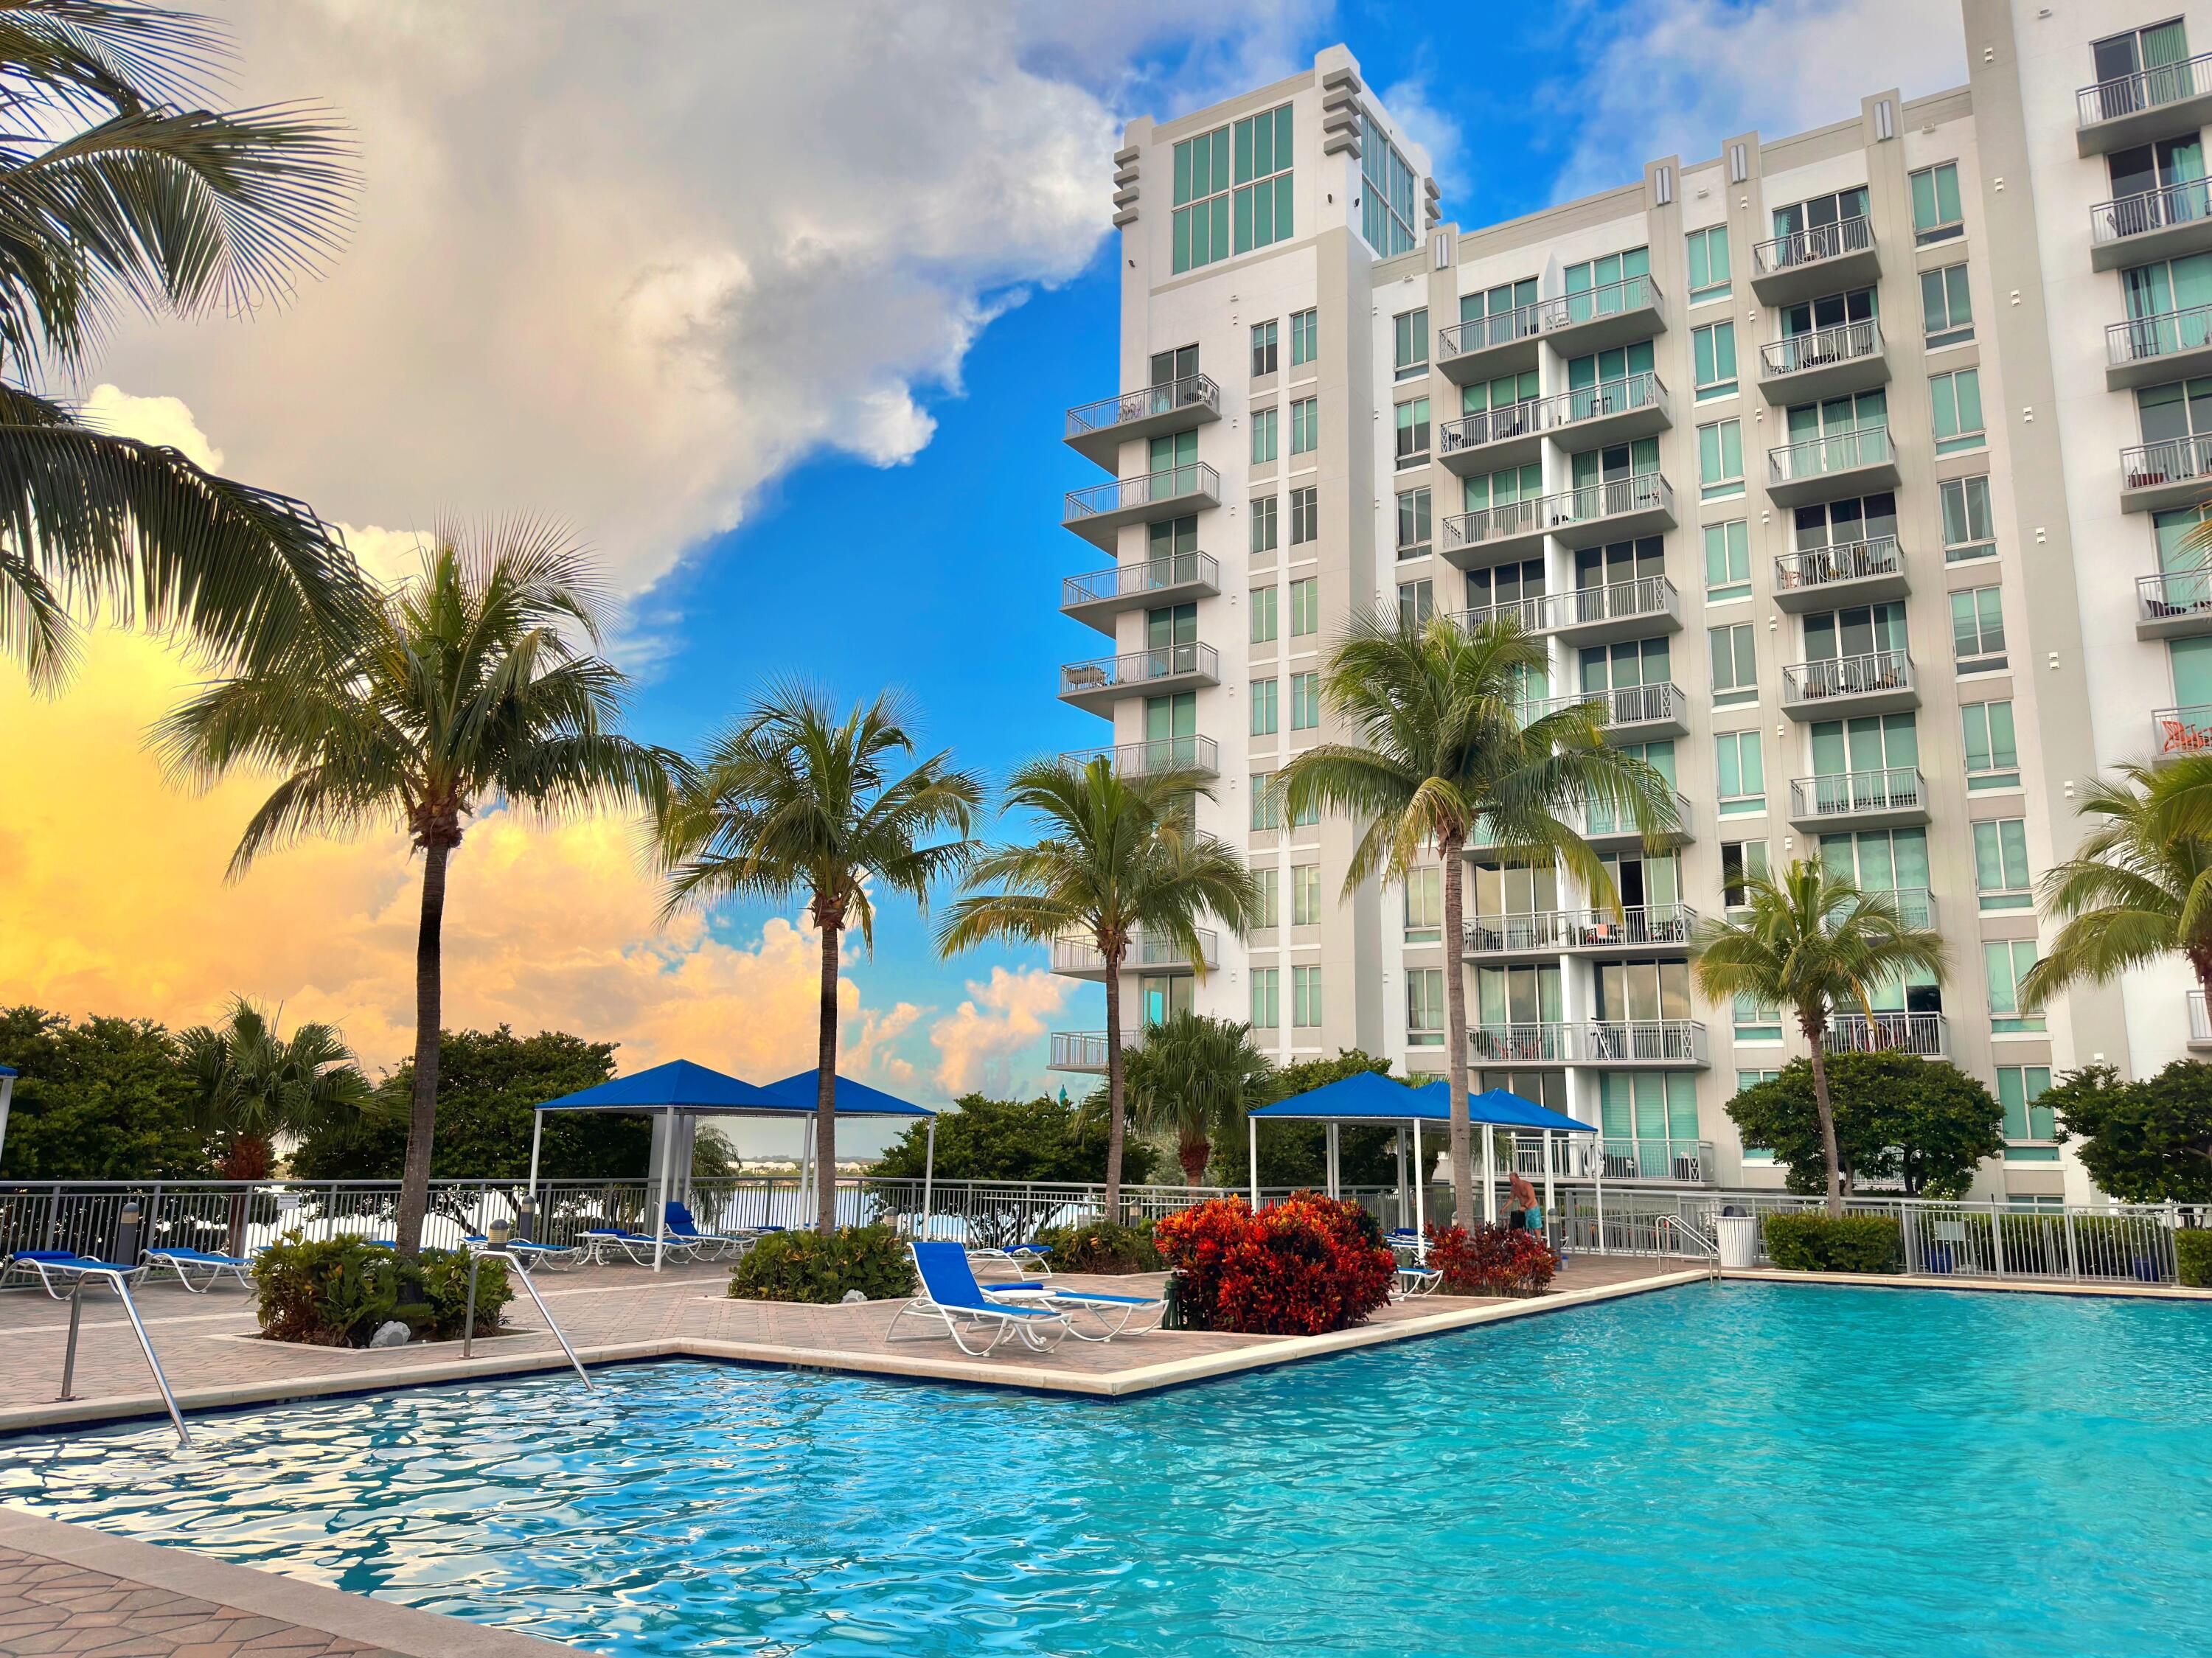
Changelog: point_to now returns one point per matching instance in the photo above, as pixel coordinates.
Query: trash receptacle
(1739, 1239)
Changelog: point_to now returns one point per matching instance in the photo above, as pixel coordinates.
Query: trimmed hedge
(808, 1266)
(336, 1292)
(2192, 1254)
(1824, 1243)
(1101, 1246)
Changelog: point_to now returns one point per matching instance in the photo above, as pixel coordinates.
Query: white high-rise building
(1850, 468)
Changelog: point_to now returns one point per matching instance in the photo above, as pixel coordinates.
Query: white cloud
(1003, 1016)
(1676, 77)
(164, 421)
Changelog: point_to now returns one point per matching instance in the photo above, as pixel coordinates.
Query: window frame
(1264, 618)
(1965, 552)
(1720, 486)
(1305, 607)
(1742, 639)
(1266, 434)
(1305, 515)
(1951, 329)
(1305, 701)
(1962, 438)
(1266, 708)
(1732, 585)
(1701, 240)
(1988, 655)
(1266, 523)
(1266, 350)
(2007, 855)
(1416, 520)
(1306, 335)
(1995, 774)
(1706, 341)
(1742, 801)
(1936, 229)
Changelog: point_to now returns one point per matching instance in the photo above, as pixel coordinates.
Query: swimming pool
(1749, 1467)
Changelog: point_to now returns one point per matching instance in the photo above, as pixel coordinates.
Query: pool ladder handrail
(116, 1280)
(1706, 1248)
(521, 1274)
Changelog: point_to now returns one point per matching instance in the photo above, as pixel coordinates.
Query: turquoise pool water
(1743, 1469)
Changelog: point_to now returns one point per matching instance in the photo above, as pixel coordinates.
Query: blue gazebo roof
(678, 1085)
(854, 1099)
(1372, 1097)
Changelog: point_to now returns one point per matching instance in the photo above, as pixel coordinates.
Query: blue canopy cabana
(681, 1090)
(1371, 1099)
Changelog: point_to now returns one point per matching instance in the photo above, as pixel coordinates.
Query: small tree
(1923, 1123)
(2143, 1142)
(1195, 1076)
(98, 1099)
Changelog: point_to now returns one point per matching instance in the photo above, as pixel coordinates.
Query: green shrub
(2192, 1254)
(1823, 1244)
(807, 1267)
(336, 1293)
(1101, 1246)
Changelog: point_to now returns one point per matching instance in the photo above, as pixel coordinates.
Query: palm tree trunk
(248, 1159)
(825, 1090)
(1814, 1026)
(1462, 1132)
(1193, 1154)
(1114, 1129)
(429, 999)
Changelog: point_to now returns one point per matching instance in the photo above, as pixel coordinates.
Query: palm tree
(1120, 856)
(2139, 886)
(251, 1086)
(793, 801)
(466, 690)
(1810, 939)
(1194, 1077)
(1445, 742)
(118, 193)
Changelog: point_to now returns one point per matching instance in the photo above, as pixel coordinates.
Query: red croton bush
(1301, 1267)
(1491, 1260)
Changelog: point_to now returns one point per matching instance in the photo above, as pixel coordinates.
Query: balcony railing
(2130, 94)
(1639, 926)
(1805, 248)
(1193, 477)
(1928, 1035)
(2183, 731)
(1191, 391)
(1615, 397)
(1146, 950)
(1105, 673)
(1489, 426)
(1548, 316)
(2173, 594)
(1594, 820)
(1620, 601)
(1847, 793)
(1635, 1159)
(2185, 203)
(1624, 705)
(1610, 499)
(1840, 452)
(1085, 1050)
(2171, 460)
(1648, 1042)
(1153, 756)
(2200, 1024)
(1521, 1044)
(1522, 322)
(1868, 675)
(1844, 343)
(2162, 334)
(1514, 518)
(1847, 561)
(1534, 614)
(1134, 580)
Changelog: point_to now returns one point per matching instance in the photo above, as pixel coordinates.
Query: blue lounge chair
(953, 1300)
(532, 1255)
(209, 1266)
(708, 1246)
(1109, 1313)
(602, 1241)
(70, 1269)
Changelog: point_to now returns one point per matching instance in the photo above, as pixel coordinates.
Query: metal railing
(2182, 731)
(1641, 1041)
(2131, 94)
(1145, 949)
(1624, 396)
(1190, 391)
(1118, 494)
(1639, 925)
(1134, 580)
(1540, 317)
(2174, 593)
(1085, 1050)
(1928, 1035)
(1621, 706)
(1154, 754)
(1522, 322)
(2185, 202)
(1540, 1043)
(1820, 348)
(1592, 819)
(1488, 426)
(1838, 452)
(1582, 607)
(2171, 460)
(2200, 1022)
(1846, 560)
(1106, 673)
(1646, 492)
(1892, 788)
(1500, 522)
(2162, 334)
(1804, 247)
(1864, 675)
(1689, 1162)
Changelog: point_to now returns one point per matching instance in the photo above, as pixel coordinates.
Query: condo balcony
(1890, 797)
(1649, 1043)
(1608, 828)
(1549, 1042)
(2172, 473)
(1579, 324)
(1617, 509)
(2160, 102)
(1495, 535)
(1680, 1162)
(1823, 468)
(2174, 605)
(1609, 411)
(1491, 439)
(2166, 345)
(1828, 363)
(1928, 1035)
(1098, 512)
(1096, 597)
(1592, 616)
(2200, 1025)
(1098, 430)
(1084, 1051)
(1876, 682)
(1081, 958)
(1826, 259)
(2155, 224)
(1847, 573)
(1641, 928)
(1153, 756)
(1096, 685)
(1630, 713)
(2182, 731)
